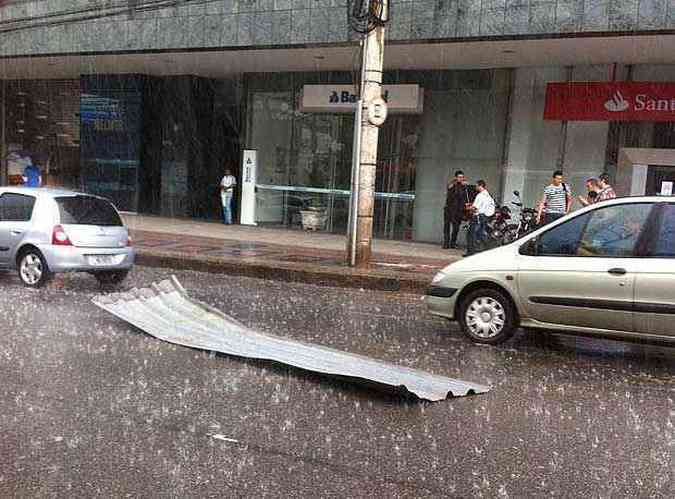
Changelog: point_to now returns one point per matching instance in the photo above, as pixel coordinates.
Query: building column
(522, 110)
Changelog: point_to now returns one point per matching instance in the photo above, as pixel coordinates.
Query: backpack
(567, 196)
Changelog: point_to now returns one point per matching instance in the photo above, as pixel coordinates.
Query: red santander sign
(610, 101)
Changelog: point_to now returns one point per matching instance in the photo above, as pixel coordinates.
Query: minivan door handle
(617, 271)
(16, 232)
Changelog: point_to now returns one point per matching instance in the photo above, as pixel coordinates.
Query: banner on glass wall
(111, 137)
(610, 101)
(401, 99)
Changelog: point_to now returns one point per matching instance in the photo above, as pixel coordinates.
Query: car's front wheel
(33, 270)
(111, 277)
(487, 315)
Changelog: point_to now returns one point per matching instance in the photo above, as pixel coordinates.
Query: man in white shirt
(226, 193)
(483, 208)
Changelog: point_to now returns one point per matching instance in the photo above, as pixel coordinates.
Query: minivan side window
(664, 246)
(563, 240)
(612, 231)
(16, 207)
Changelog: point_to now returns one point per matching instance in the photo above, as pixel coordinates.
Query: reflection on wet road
(90, 406)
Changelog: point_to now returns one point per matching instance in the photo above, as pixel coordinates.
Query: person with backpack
(556, 201)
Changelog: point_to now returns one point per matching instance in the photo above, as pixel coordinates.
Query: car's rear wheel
(487, 316)
(111, 277)
(33, 269)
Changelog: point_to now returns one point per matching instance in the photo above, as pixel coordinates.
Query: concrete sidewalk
(282, 254)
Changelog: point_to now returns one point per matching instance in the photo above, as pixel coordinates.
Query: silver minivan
(45, 231)
(606, 270)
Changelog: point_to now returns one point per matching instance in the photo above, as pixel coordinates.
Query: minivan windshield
(87, 210)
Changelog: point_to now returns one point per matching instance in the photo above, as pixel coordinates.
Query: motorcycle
(497, 227)
(527, 222)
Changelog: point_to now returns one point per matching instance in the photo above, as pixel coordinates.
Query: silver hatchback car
(45, 231)
(606, 270)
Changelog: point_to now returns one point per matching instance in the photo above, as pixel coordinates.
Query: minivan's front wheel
(487, 316)
(111, 277)
(33, 270)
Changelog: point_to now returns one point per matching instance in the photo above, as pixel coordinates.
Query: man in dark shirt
(458, 195)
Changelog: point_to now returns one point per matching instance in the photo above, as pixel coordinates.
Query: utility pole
(369, 117)
(4, 174)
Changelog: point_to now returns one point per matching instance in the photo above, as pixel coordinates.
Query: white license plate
(101, 260)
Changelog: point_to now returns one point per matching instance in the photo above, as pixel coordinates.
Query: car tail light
(59, 237)
(130, 241)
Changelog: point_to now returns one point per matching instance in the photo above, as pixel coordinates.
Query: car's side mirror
(529, 248)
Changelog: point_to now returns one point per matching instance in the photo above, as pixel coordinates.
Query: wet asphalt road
(92, 407)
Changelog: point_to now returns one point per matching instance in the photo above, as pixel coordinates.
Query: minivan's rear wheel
(111, 277)
(487, 316)
(33, 270)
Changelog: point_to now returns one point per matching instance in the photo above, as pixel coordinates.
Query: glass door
(320, 169)
(395, 179)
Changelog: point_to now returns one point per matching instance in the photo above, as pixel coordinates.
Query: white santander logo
(617, 103)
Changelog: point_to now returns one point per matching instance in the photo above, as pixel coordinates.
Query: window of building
(664, 135)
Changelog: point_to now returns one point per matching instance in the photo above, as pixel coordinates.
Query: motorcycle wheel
(510, 234)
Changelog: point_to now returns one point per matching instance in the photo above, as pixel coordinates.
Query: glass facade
(160, 145)
(304, 159)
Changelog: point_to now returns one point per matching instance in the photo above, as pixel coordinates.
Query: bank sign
(610, 101)
(401, 99)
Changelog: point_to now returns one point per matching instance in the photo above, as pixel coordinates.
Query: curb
(343, 277)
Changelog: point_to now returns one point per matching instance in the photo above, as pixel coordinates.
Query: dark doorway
(223, 143)
(660, 180)
(191, 132)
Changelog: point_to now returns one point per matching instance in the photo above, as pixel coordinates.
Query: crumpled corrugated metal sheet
(165, 311)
